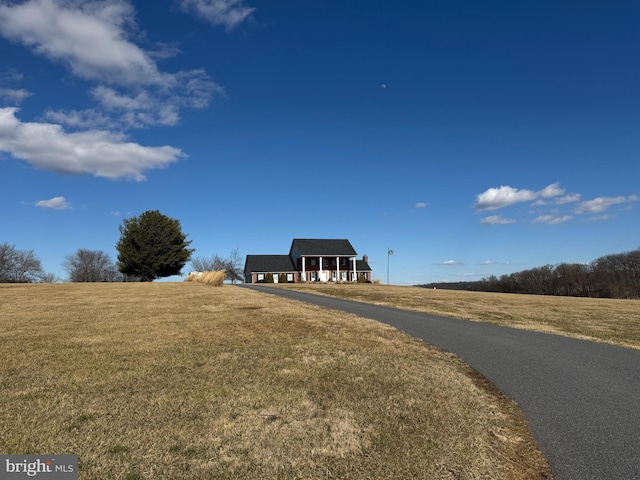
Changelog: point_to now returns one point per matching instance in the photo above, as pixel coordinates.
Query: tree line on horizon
(610, 276)
(151, 246)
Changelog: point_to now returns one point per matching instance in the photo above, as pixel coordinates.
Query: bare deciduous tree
(203, 264)
(611, 276)
(91, 266)
(19, 266)
(49, 278)
(235, 267)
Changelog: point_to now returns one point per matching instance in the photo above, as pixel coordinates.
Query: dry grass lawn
(187, 381)
(597, 319)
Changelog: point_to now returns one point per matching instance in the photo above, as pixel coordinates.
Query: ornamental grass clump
(215, 278)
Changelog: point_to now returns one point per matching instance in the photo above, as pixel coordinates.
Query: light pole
(389, 253)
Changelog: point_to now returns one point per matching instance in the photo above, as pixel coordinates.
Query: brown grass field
(188, 381)
(596, 319)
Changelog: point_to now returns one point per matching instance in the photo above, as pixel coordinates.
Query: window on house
(260, 276)
(312, 262)
(325, 262)
(289, 277)
(333, 262)
(343, 261)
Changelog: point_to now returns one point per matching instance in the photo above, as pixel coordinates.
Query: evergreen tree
(152, 246)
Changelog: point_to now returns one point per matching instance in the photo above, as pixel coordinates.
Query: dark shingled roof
(319, 246)
(362, 266)
(269, 263)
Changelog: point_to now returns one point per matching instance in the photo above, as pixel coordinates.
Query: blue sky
(472, 138)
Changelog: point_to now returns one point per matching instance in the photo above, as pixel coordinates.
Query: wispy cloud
(552, 219)
(9, 94)
(99, 153)
(600, 204)
(598, 218)
(449, 263)
(227, 13)
(421, 205)
(14, 96)
(55, 203)
(496, 220)
(571, 198)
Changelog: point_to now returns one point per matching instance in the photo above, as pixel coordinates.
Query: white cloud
(421, 205)
(496, 220)
(99, 153)
(228, 13)
(87, 37)
(93, 40)
(552, 190)
(55, 203)
(552, 219)
(495, 198)
(600, 204)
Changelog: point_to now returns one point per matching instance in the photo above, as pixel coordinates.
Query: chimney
(366, 259)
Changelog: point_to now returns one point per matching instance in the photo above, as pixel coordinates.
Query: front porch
(327, 269)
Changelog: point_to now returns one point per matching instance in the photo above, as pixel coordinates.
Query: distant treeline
(611, 276)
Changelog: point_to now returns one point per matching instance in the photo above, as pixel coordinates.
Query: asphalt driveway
(581, 399)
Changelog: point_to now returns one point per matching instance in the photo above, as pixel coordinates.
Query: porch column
(337, 269)
(304, 273)
(321, 274)
(355, 275)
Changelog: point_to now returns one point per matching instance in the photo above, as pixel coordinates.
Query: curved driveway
(581, 399)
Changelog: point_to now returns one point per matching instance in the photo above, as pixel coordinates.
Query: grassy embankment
(597, 319)
(187, 381)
